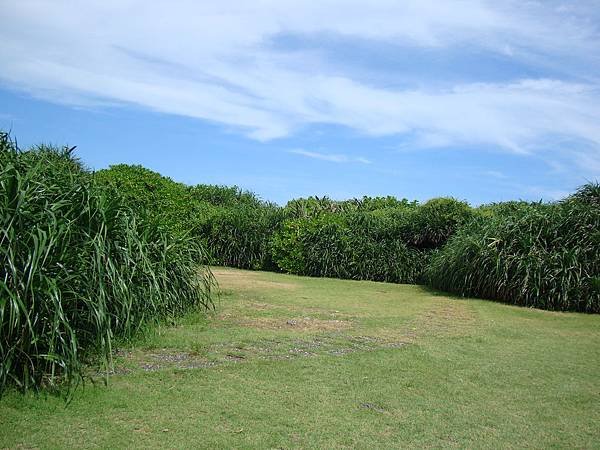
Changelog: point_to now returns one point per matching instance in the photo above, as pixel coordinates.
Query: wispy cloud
(218, 62)
(337, 158)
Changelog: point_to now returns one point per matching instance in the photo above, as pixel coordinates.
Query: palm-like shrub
(357, 245)
(78, 270)
(538, 255)
(239, 236)
(429, 225)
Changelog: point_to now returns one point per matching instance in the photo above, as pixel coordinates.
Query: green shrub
(357, 245)
(326, 244)
(287, 246)
(537, 255)
(380, 252)
(154, 198)
(223, 196)
(314, 206)
(303, 208)
(238, 229)
(78, 270)
(430, 225)
(233, 225)
(240, 236)
(381, 239)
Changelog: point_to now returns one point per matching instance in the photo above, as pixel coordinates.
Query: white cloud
(214, 61)
(337, 157)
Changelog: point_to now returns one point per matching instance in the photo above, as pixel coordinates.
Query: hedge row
(537, 255)
(78, 269)
(533, 254)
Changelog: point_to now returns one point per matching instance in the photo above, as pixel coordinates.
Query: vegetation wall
(78, 269)
(533, 254)
(90, 257)
(379, 239)
(538, 255)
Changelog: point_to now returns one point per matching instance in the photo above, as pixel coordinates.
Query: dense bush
(238, 226)
(538, 255)
(356, 245)
(154, 198)
(382, 239)
(223, 196)
(240, 236)
(233, 225)
(77, 270)
(430, 225)
(314, 206)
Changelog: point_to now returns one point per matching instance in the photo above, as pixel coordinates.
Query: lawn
(294, 362)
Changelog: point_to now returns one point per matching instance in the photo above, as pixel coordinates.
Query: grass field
(292, 362)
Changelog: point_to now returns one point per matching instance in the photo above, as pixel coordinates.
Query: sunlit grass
(405, 367)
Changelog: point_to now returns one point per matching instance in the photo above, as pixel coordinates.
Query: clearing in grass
(294, 362)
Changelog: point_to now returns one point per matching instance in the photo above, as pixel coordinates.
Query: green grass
(292, 362)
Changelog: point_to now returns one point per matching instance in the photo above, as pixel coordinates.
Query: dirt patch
(229, 279)
(373, 407)
(331, 344)
(287, 310)
(444, 318)
(294, 324)
(153, 360)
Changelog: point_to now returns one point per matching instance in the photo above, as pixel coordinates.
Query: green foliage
(380, 239)
(379, 253)
(302, 208)
(233, 225)
(356, 245)
(240, 236)
(502, 209)
(428, 226)
(432, 223)
(537, 255)
(287, 246)
(314, 206)
(77, 269)
(238, 228)
(154, 198)
(223, 196)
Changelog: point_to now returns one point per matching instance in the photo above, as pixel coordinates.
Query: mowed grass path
(292, 362)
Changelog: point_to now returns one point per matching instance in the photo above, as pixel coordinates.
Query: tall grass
(538, 255)
(543, 255)
(240, 235)
(233, 225)
(78, 270)
(380, 239)
(357, 245)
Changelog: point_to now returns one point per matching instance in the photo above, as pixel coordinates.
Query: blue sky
(481, 100)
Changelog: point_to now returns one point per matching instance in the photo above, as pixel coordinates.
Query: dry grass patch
(238, 280)
(444, 318)
(158, 359)
(306, 324)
